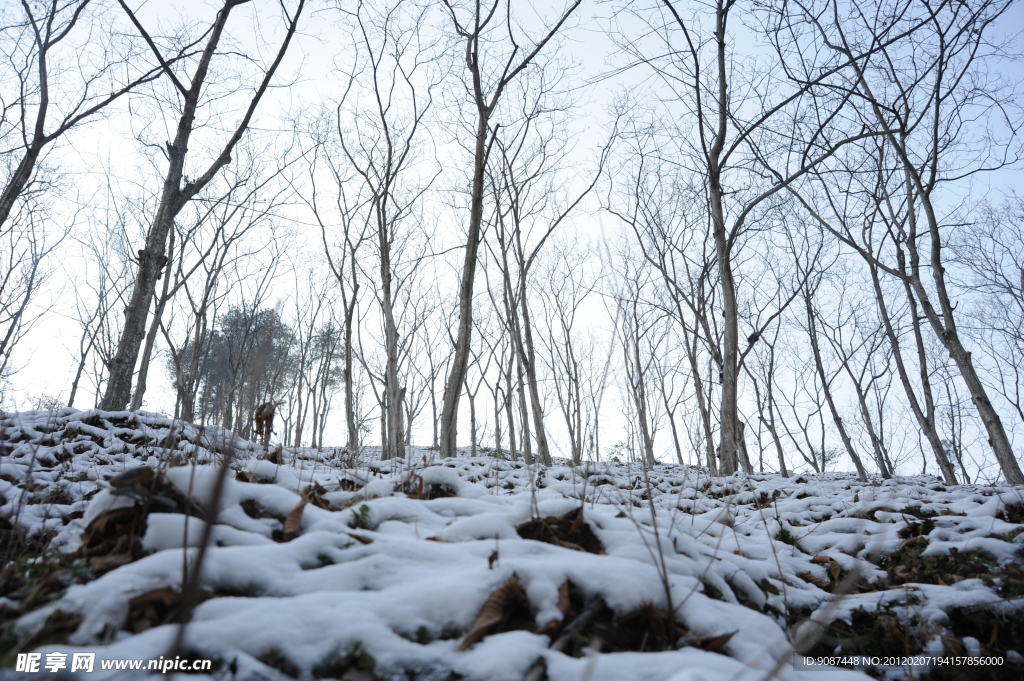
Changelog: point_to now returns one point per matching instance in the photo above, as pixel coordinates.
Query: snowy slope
(484, 569)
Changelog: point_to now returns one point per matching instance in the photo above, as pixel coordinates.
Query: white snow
(373, 568)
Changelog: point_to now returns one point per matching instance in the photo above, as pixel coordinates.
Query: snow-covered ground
(322, 565)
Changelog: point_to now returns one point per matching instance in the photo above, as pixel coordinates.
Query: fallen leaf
(563, 598)
(294, 521)
(356, 675)
(554, 624)
(713, 643)
(245, 476)
(108, 563)
(359, 538)
(314, 494)
(816, 581)
(493, 610)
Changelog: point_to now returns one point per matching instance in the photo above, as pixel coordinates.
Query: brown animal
(264, 419)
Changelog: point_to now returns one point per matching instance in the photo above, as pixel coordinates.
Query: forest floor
(323, 565)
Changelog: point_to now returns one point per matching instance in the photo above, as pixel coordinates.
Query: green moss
(996, 632)
(918, 512)
(764, 500)
(338, 664)
(422, 635)
(1011, 583)
(785, 536)
(909, 565)
(322, 560)
(1012, 534)
(361, 519)
(711, 591)
(276, 658)
(879, 632)
(1012, 513)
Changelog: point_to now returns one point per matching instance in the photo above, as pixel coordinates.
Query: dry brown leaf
(816, 581)
(563, 598)
(951, 645)
(564, 604)
(152, 609)
(314, 494)
(577, 523)
(359, 538)
(713, 643)
(245, 476)
(356, 675)
(165, 596)
(493, 610)
(108, 563)
(294, 521)
(568, 545)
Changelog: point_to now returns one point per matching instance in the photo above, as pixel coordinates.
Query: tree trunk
(472, 421)
(862, 474)
(350, 407)
(675, 434)
(152, 258)
(524, 416)
(942, 320)
(460, 360)
(526, 346)
(147, 353)
(497, 421)
(509, 412)
(173, 198)
(744, 456)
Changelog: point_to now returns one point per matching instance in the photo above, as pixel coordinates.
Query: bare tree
(314, 358)
(570, 348)
(992, 251)
(641, 333)
(530, 205)
(438, 351)
(861, 349)
(422, 307)
(63, 64)
(345, 229)
(103, 281)
(914, 73)
(487, 86)
(827, 376)
(387, 95)
(175, 195)
(227, 226)
(664, 209)
(762, 372)
(925, 413)
(750, 144)
(24, 249)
